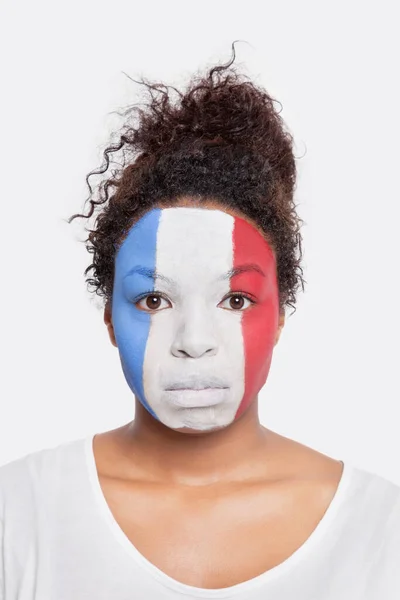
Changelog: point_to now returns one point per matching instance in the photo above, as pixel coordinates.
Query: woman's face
(195, 314)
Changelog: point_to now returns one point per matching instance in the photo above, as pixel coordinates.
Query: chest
(214, 538)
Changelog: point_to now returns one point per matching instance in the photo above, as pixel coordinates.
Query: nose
(194, 336)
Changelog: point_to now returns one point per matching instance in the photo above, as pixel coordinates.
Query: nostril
(193, 348)
(195, 353)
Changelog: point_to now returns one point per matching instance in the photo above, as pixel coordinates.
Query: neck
(237, 452)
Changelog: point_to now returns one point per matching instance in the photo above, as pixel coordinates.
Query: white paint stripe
(194, 248)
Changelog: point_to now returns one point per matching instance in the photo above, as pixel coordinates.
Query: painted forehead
(187, 242)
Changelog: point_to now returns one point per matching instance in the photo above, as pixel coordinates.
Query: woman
(197, 254)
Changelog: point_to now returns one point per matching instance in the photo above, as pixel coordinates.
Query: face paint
(192, 354)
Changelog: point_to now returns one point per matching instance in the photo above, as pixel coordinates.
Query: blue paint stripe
(132, 326)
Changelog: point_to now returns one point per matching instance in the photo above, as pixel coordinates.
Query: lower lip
(189, 398)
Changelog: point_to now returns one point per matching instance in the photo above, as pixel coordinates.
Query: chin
(199, 420)
(199, 430)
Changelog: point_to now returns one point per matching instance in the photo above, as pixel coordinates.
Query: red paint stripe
(259, 321)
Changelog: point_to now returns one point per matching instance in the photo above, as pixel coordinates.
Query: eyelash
(161, 295)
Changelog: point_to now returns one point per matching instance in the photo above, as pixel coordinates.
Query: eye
(236, 302)
(151, 302)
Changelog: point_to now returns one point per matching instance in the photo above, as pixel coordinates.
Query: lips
(196, 383)
(206, 387)
(196, 397)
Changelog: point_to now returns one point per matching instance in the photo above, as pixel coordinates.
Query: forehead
(182, 242)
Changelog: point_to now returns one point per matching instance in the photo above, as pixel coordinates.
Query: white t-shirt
(59, 541)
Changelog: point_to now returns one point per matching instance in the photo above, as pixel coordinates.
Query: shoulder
(325, 476)
(379, 495)
(32, 474)
(367, 506)
(16, 476)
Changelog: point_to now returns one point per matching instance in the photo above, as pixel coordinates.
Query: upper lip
(196, 383)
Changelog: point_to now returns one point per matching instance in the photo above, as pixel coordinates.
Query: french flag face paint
(195, 313)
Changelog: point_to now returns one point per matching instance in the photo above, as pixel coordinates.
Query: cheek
(260, 322)
(258, 330)
(131, 328)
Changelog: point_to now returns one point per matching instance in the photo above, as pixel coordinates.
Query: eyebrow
(242, 269)
(150, 273)
(154, 275)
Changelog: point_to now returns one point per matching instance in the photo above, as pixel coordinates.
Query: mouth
(196, 397)
(197, 389)
(197, 383)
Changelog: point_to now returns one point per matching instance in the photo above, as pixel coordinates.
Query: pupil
(154, 300)
(238, 300)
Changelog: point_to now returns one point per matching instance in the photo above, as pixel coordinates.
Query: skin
(212, 319)
(211, 478)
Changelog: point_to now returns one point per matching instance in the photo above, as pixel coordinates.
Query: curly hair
(222, 140)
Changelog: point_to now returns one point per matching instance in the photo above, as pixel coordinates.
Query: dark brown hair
(222, 139)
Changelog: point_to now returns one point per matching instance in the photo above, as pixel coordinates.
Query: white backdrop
(334, 382)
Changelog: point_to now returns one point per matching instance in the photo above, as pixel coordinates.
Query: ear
(280, 327)
(108, 322)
